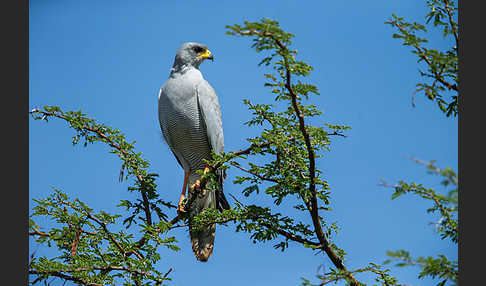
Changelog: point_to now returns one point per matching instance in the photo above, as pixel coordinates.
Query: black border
(15, 138)
(471, 143)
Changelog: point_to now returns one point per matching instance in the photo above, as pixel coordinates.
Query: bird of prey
(190, 119)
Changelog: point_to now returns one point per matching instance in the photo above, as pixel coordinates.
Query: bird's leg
(183, 194)
(198, 182)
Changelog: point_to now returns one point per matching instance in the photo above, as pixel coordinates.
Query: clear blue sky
(109, 59)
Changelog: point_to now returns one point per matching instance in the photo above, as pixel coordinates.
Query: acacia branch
(286, 234)
(105, 229)
(105, 269)
(146, 205)
(112, 144)
(246, 151)
(63, 276)
(37, 232)
(203, 181)
(337, 278)
(218, 221)
(451, 21)
(445, 215)
(423, 56)
(312, 206)
(255, 174)
(437, 75)
(336, 134)
(291, 236)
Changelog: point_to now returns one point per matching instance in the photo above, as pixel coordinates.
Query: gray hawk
(190, 119)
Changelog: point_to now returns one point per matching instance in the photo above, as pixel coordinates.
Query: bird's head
(192, 54)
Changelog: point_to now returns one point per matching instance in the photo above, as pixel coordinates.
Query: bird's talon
(180, 207)
(197, 184)
(206, 170)
(180, 210)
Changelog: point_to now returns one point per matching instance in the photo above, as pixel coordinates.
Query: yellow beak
(206, 55)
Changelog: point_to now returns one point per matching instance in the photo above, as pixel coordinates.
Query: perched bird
(190, 119)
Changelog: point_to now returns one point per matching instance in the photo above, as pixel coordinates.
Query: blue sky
(109, 59)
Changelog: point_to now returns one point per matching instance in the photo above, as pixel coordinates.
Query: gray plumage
(190, 119)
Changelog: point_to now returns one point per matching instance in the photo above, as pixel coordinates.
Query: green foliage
(290, 142)
(289, 148)
(91, 254)
(446, 205)
(441, 76)
(446, 227)
(442, 69)
(439, 267)
(383, 276)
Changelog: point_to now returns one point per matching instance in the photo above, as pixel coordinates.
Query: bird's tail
(203, 240)
(221, 202)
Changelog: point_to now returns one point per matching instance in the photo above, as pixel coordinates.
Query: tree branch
(104, 269)
(313, 205)
(422, 55)
(63, 276)
(203, 180)
(111, 143)
(451, 21)
(255, 174)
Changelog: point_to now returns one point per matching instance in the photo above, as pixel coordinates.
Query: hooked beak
(206, 55)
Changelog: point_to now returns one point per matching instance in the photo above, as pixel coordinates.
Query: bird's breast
(183, 127)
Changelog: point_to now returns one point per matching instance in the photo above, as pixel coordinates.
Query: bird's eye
(198, 49)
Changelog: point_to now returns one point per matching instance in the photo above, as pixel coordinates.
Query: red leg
(183, 193)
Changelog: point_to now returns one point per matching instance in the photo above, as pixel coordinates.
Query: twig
(255, 174)
(111, 143)
(203, 180)
(422, 55)
(166, 274)
(146, 205)
(74, 246)
(105, 269)
(451, 21)
(37, 232)
(312, 206)
(64, 276)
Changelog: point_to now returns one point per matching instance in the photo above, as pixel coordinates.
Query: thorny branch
(235, 164)
(125, 154)
(203, 181)
(451, 21)
(423, 56)
(105, 269)
(313, 205)
(63, 276)
(445, 214)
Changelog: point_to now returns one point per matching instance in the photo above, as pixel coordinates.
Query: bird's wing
(163, 126)
(165, 133)
(211, 115)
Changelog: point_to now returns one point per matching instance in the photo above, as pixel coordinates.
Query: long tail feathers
(221, 202)
(203, 241)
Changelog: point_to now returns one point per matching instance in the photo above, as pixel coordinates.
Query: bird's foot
(197, 184)
(180, 208)
(206, 170)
